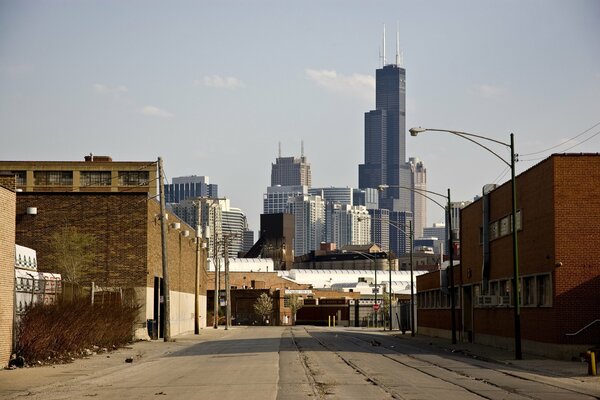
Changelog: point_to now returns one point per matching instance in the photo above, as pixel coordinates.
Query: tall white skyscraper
(348, 225)
(276, 199)
(419, 202)
(309, 219)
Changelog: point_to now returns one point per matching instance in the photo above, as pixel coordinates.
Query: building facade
(276, 199)
(400, 224)
(309, 222)
(338, 195)
(418, 201)
(7, 265)
(385, 140)
(127, 231)
(290, 171)
(347, 225)
(190, 187)
(94, 174)
(558, 215)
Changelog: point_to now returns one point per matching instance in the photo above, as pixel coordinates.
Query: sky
(214, 86)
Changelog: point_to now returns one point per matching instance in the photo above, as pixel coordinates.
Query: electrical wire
(565, 142)
(502, 175)
(567, 149)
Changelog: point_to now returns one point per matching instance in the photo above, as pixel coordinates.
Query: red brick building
(558, 226)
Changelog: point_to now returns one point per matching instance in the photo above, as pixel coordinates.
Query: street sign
(375, 307)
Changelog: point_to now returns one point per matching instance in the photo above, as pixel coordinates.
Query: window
(544, 290)
(53, 178)
(528, 291)
(494, 232)
(505, 226)
(133, 178)
(21, 178)
(494, 288)
(95, 178)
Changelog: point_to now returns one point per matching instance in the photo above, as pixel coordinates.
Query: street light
(450, 251)
(411, 237)
(511, 165)
(368, 256)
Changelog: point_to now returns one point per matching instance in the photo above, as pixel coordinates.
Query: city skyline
(213, 87)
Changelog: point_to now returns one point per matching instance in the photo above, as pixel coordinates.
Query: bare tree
(72, 253)
(264, 306)
(296, 303)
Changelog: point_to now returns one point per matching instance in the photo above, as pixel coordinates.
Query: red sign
(375, 307)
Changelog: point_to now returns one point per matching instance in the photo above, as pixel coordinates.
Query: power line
(567, 149)
(565, 142)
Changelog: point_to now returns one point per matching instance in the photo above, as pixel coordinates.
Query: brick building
(7, 266)
(558, 225)
(94, 174)
(126, 229)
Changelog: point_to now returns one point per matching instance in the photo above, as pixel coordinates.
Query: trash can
(152, 329)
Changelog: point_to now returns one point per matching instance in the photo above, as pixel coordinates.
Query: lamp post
(448, 209)
(374, 259)
(410, 235)
(511, 165)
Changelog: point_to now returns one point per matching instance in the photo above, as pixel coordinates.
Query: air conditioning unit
(487, 300)
(504, 300)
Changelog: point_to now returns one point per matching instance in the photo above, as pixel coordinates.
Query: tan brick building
(126, 229)
(7, 266)
(558, 202)
(94, 174)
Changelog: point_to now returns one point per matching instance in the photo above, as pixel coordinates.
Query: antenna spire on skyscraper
(279, 150)
(383, 51)
(302, 148)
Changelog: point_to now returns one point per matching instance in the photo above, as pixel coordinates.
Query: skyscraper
(290, 171)
(385, 138)
(418, 201)
(189, 187)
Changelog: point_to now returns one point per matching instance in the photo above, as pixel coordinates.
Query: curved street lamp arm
(467, 134)
(481, 145)
(419, 191)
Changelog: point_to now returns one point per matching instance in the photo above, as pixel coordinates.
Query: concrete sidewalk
(23, 379)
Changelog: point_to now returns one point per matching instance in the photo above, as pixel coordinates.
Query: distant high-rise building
(367, 197)
(234, 225)
(248, 240)
(276, 199)
(339, 195)
(380, 228)
(290, 171)
(438, 230)
(399, 231)
(347, 225)
(418, 201)
(385, 138)
(309, 220)
(189, 187)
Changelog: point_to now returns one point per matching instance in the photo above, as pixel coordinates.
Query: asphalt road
(287, 364)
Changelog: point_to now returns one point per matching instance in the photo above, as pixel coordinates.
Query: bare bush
(60, 331)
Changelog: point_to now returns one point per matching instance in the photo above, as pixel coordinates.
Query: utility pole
(217, 272)
(227, 287)
(197, 281)
(165, 269)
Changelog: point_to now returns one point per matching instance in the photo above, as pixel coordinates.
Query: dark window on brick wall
(133, 178)
(95, 178)
(53, 178)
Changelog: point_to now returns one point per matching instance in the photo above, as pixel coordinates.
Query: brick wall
(181, 252)
(262, 280)
(7, 267)
(560, 203)
(116, 220)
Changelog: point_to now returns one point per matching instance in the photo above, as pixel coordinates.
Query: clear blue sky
(212, 87)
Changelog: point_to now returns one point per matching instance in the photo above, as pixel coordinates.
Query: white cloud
(113, 90)
(220, 82)
(355, 84)
(488, 91)
(155, 112)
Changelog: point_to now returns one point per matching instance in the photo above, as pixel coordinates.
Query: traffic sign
(375, 307)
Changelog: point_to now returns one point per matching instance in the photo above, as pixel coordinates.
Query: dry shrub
(58, 331)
